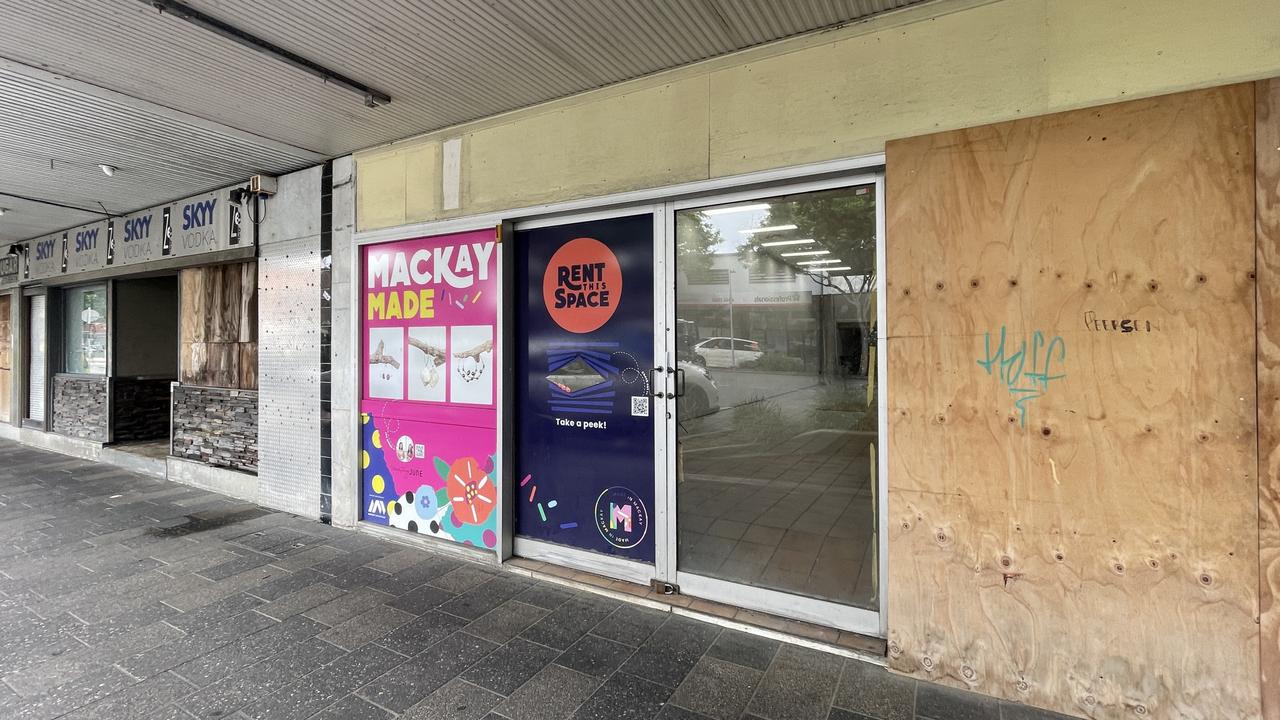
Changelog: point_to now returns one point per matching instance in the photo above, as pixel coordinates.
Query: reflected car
(701, 396)
(719, 352)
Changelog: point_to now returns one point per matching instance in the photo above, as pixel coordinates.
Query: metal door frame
(595, 562)
(823, 612)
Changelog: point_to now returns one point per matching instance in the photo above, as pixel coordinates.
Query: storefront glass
(778, 415)
(84, 338)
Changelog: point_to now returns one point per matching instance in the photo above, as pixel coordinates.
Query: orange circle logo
(582, 285)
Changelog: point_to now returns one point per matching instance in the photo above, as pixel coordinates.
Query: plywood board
(1073, 513)
(1268, 198)
(6, 357)
(220, 325)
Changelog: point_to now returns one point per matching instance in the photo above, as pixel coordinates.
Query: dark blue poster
(584, 435)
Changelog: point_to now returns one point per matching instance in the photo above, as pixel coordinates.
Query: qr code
(639, 406)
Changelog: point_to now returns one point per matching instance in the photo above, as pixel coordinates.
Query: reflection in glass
(85, 323)
(778, 421)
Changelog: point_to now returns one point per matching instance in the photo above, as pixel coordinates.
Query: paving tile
(483, 598)
(315, 692)
(419, 634)
(506, 621)
(406, 685)
(352, 708)
(455, 700)
(57, 701)
(545, 595)
(872, 690)
(717, 688)
(286, 584)
(137, 700)
(421, 599)
(594, 655)
(426, 569)
(229, 694)
(213, 614)
(624, 697)
(356, 578)
(672, 651)
(462, 579)
(246, 651)
(300, 601)
(839, 714)
(554, 693)
(631, 625)
(798, 685)
(171, 712)
(510, 666)
(937, 702)
(675, 712)
(745, 649)
(564, 625)
(365, 627)
(347, 606)
(176, 652)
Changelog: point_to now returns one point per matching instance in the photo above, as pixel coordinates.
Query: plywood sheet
(1268, 198)
(6, 357)
(1073, 512)
(219, 325)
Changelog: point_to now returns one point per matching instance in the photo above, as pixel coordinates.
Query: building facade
(963, 352)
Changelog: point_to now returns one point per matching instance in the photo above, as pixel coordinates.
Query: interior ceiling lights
(767, 229)
(754, 207)
(780, 243)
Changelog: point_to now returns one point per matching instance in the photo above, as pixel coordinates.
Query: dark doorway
(145, 347)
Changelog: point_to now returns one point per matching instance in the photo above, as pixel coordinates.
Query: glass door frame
(798, 607)
(594, 562)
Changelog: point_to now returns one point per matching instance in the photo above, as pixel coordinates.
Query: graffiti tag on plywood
(1025, 368)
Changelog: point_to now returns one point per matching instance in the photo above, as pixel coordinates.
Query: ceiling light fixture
(108, 170)
(3, 211)
(737, 209)
(806, 252)
(827, 270)
(768, 229)
(182, 11)
(819, 262)
(779, 243)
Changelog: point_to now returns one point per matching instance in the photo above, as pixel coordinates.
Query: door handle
(653, 382)
(679, 382)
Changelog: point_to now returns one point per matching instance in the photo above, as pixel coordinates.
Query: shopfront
(692, 397)
(114, 324)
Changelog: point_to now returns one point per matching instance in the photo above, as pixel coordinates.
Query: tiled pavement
(122, 596)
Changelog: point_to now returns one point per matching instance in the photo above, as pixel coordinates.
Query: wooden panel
(192, 322)
(248, 310)
(6, 357)
(220, 326)
(1073, 520)
(248, 366)
(1268, 194)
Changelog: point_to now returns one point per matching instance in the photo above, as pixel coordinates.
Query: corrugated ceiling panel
(443, 62)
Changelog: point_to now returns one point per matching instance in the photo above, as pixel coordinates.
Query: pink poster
(428, 403)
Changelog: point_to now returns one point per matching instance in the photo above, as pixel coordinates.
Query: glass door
(585, 375)
(778, 488)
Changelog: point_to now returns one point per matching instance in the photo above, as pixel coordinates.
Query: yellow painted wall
(943, 65)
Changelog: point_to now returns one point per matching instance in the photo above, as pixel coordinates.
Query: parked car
(701, 396)
(728, 352)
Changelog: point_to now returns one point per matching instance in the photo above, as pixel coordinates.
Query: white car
(718, 352)
(700, 395)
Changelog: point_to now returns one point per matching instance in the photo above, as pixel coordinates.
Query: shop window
(84, 339)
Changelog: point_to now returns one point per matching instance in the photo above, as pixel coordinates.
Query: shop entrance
(699, 398)
(145, 362)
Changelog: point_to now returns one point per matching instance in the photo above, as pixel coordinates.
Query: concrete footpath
(123, 596)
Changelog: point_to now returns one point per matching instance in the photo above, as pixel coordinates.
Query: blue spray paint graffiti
(1025, 384)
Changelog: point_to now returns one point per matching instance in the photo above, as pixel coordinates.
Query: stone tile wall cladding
(80, 407)
(141, 409)
(216, 426)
